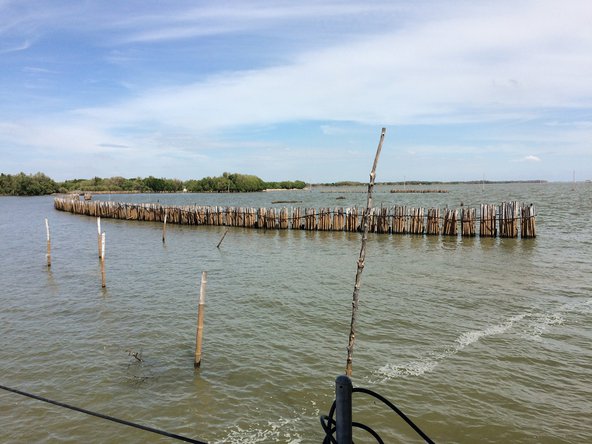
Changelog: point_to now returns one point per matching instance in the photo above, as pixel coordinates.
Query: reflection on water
(478, 340)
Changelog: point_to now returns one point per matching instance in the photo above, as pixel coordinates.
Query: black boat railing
(339, 430)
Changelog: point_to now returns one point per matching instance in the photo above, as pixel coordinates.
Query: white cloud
(531, 159)
(463, 62)
(232, 17)
(37, 70)
(478, 67)
(15, 47)
(585, 124)
(67, 138)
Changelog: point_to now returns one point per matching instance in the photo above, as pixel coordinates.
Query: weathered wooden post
(200, 320)
(103, 282)
(343, 410)
(48, 243)
(528, 225)
(99, 242)
(361, 259)
(164, 228)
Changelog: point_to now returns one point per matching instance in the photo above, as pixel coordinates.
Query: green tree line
(39, 184)
(27, 185)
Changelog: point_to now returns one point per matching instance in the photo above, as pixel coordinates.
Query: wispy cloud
(15, 47)
(585, 124)
(456, 70)
(531, 158)
(38, 70)
(233, 17)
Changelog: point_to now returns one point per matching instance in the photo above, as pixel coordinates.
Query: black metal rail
(342, 426)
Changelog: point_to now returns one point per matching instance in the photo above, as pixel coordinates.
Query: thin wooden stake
(200, 319)
(223, 236)
(99, 234)
(362, 258)
(48, 243)
(103, 282)
(164, 229)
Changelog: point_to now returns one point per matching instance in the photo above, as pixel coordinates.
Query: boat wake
(530, 325)
(429, 363)
(282, 430)
(278, 429)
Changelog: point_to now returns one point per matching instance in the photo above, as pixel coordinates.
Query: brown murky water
(477, 340)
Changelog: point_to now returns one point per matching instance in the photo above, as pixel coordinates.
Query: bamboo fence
(506, 220)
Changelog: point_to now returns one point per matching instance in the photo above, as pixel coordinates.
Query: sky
(289, 90)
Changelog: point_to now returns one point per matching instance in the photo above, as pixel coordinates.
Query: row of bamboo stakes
(502, 220)
(202, 289)
(418, 191)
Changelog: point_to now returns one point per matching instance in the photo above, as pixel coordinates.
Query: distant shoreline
(424, 182)
(329, 185)
(82, 193)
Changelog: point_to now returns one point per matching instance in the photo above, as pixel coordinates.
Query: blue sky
(297, 90)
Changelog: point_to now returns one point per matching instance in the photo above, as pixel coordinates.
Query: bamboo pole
(103, 282)
(362, 258)
(164, 228)
(48, 243)
(200, 320)
(99, 235)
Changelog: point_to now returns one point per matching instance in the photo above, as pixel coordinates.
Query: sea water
(475, 339)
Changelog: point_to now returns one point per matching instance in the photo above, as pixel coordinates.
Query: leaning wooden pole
(223, 236)
(103, 281)
(164, 228)
(48, 243)
(362, 258)
(200, 320)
